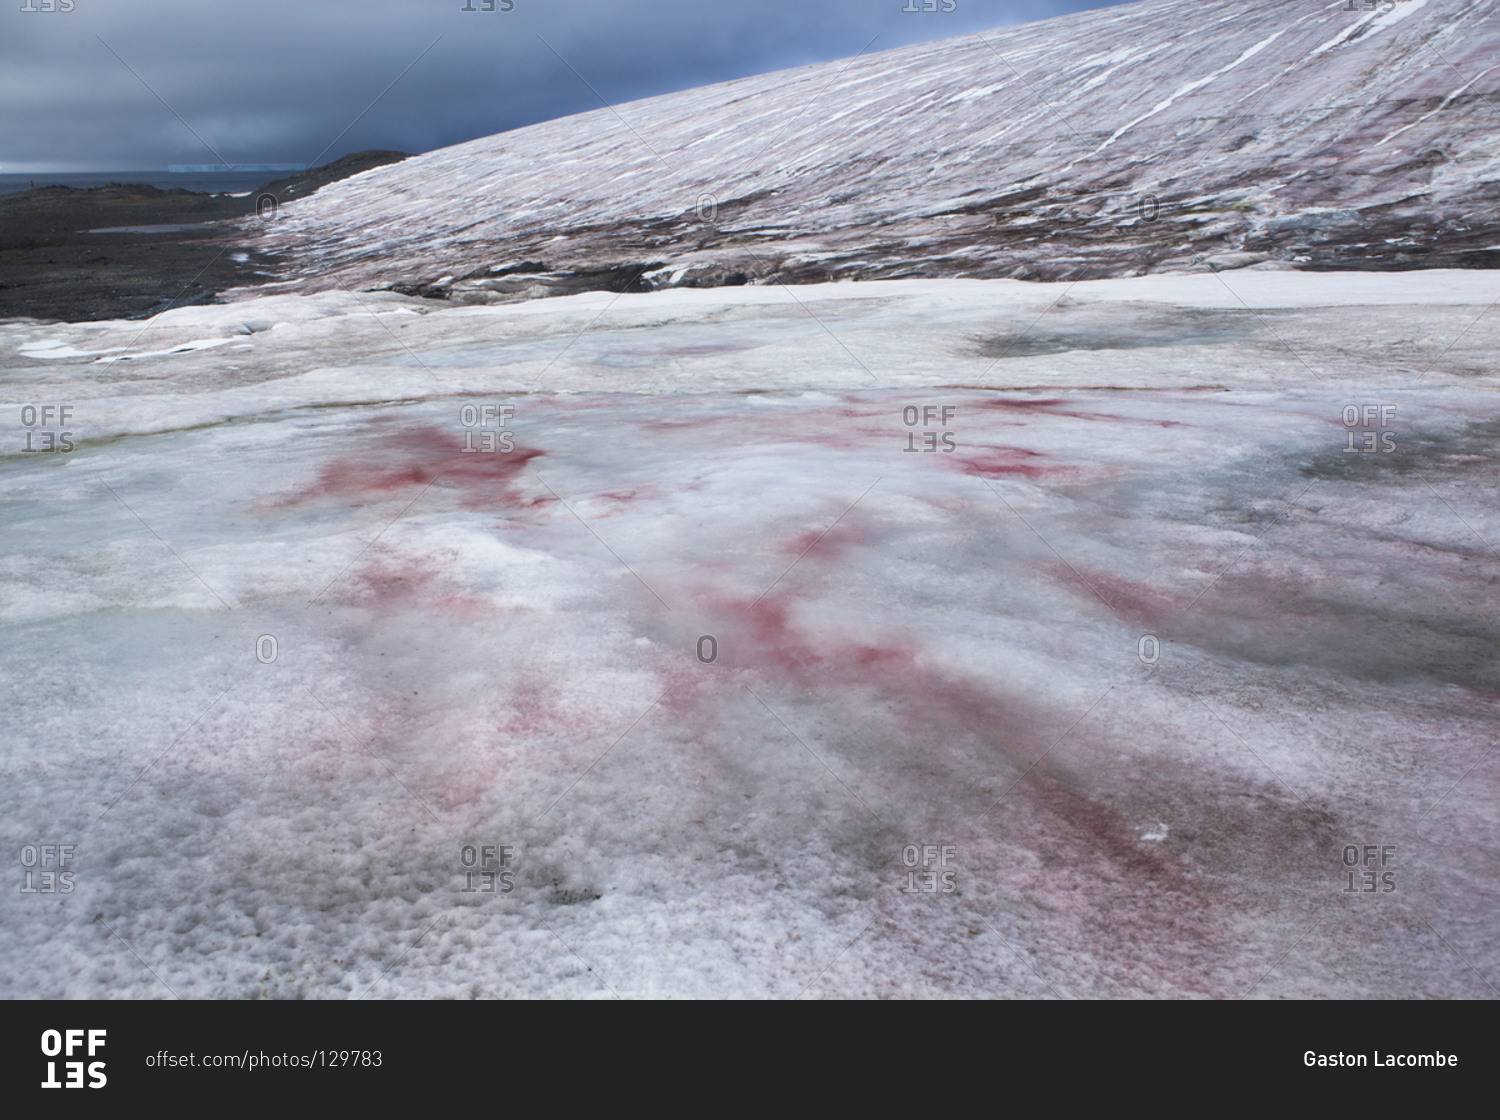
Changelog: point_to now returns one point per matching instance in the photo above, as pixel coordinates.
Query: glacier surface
(370, 646)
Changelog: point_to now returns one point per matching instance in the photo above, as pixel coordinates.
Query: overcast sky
(279, 81)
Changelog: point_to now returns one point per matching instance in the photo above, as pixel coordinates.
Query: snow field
(911, 649)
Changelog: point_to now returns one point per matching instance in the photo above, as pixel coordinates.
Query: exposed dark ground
(51, 267)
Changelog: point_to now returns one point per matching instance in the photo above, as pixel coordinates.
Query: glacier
(334, 696)
(1012, 517)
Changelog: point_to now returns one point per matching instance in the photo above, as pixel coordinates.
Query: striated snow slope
(1137, 138)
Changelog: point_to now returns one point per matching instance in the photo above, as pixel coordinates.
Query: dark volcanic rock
(304, 183)
(53, 267)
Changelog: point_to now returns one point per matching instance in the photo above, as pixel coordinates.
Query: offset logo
(932, 858)
(1364, 418)
(66, 1044)
(43, 426)
(42, 866)
(488, 868)
(482, 416)
(929, 416)
(1373, 864)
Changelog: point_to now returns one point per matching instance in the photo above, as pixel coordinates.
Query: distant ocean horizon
(207, 182)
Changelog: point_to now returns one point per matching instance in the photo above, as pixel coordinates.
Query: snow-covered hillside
(1128, 139)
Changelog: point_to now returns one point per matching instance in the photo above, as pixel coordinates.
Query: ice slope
(1146, 137)
(1131, 668)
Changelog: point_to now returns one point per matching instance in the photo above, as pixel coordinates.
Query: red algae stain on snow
(946, 729)
(997, 462)
(396, 584)
(823, 545)
(1052, 406)
(618, 499)
(950, 734)
(408, 459)
(1044, 406)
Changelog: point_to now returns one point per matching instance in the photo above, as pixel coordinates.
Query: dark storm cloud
(280, 81)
